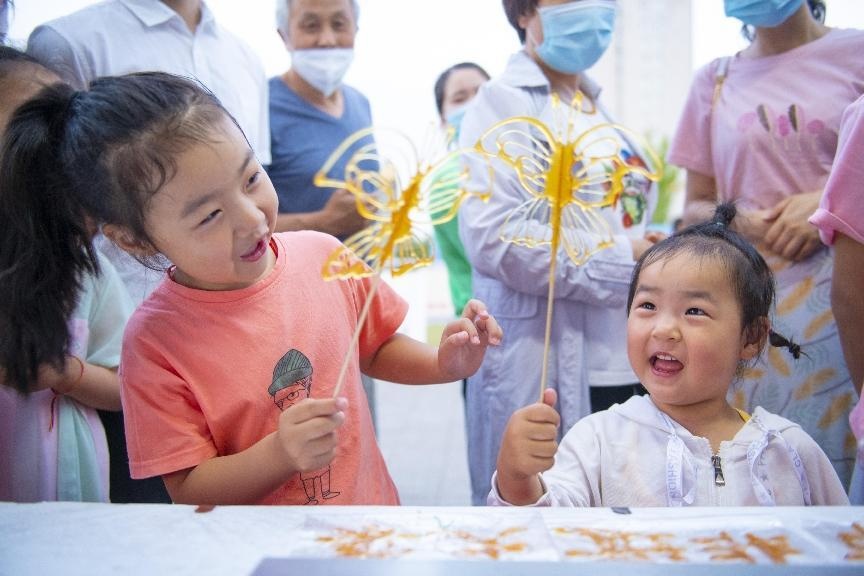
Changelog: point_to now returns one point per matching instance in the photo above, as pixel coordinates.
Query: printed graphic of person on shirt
(292, 381)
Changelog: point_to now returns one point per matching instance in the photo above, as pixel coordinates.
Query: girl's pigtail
(45, 247)
(780, 341)
(724, 214)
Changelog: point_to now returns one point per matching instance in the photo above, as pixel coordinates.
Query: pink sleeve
(386, 314)
(183, 440)
(841, 208)
(691, 145)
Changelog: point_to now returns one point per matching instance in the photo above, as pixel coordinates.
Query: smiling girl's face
(215, 217)
(685, 336)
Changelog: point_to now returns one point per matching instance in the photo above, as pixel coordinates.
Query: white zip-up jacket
(635, 455)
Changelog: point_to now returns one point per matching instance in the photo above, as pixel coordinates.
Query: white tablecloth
(73, 538)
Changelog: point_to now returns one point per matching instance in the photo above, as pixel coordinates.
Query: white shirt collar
(523, 72)
(153, 13)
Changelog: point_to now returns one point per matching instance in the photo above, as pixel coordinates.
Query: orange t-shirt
(207, 374)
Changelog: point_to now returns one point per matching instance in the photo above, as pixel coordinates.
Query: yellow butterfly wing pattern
(522, 143)
(399, 193)
(600, 172)
(344, 263)
(568, 180)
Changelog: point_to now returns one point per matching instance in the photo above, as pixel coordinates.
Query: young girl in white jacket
(698, 314)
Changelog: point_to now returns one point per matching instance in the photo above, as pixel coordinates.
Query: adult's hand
(789, 234)
(339, 216)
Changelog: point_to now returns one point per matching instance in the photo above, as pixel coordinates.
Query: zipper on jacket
(718, 471)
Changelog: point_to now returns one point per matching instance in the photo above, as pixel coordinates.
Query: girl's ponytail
(779, 341)
(45, 247)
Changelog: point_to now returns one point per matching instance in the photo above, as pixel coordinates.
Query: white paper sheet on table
(74, 538)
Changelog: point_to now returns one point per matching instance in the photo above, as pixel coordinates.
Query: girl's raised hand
(528, 448)
(307, 432)
(464, 341)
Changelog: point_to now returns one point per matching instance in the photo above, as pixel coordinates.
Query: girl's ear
(524, 19)
(128, 242)
(754, 338)
(751, 351)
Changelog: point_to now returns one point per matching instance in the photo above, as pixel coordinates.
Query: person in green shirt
(454, 89)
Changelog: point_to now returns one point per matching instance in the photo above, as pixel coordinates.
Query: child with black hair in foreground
(698, 313)
(62, 312)
(228, 369)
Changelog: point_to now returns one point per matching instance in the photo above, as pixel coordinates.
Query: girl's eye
(695, 312)
(293, 395)
(253, 179)
(646, 305)
(210, 217)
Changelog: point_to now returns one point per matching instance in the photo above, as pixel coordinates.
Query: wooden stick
(550, 300)
(356, 337)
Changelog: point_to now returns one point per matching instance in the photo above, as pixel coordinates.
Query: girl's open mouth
(665, 364)
(256, 253)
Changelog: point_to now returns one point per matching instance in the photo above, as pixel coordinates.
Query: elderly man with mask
(312, 112)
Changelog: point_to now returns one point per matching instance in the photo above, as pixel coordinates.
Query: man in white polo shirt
(176, 36)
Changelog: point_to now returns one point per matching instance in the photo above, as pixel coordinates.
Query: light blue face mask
(576, 34)
(761, 13)
(454, 121)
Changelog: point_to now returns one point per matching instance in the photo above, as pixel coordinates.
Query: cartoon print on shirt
(634, 196)
(292, 381)
(789, 128)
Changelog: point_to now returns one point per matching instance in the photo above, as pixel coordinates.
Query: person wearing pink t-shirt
(215, 364)
(840, 220)
(760, 129)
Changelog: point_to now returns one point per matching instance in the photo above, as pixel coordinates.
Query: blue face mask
(576, 34)
(454, 121)
(762, 13)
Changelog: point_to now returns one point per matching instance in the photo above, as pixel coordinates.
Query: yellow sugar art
(402, 195)
(399, 194)
(568, 177)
